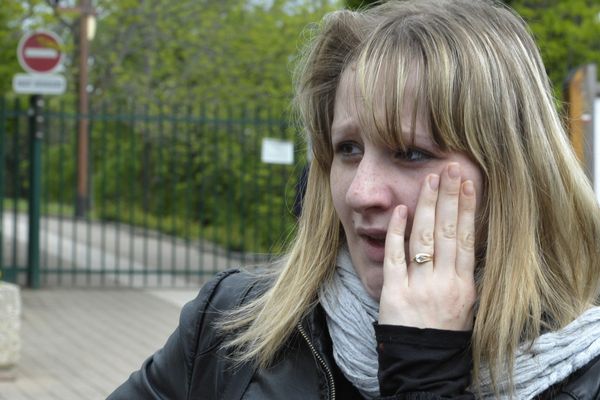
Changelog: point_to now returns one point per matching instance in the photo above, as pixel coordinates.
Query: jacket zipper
(320, 359)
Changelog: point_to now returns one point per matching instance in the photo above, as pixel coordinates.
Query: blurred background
(172, 154)
(152, 169)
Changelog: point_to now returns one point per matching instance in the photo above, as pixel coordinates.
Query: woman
(448, 245)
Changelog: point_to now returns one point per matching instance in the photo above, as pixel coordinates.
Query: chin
(373, 282)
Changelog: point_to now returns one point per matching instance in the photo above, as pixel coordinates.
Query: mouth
(374, 243)
(374, 235)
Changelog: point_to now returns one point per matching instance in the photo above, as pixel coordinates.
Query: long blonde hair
(483, 88)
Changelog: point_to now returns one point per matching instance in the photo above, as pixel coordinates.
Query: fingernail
(402, 211)
(453, 171)
(468, 188)
(434, 182)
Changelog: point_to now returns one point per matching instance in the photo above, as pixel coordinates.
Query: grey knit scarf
(351, 313)
(350, 316)
(552, 357)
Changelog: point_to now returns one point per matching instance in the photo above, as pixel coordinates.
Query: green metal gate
(176, 194)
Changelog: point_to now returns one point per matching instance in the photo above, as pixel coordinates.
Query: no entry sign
(40, 52)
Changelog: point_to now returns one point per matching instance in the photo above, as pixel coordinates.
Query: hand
(440, 293)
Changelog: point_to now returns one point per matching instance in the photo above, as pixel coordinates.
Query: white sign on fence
(277, 151)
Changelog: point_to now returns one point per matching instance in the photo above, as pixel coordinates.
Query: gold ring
(422, 258)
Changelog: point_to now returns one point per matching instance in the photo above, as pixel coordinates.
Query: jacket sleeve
(423, 364)
(167, 373)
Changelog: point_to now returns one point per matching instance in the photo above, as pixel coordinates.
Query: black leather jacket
(192, 364)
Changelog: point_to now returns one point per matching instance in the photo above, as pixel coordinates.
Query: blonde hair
(482, 86)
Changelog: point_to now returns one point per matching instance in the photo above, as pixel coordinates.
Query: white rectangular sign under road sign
(39, 84)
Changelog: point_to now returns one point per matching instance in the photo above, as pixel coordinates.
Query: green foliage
(163, 57)
(567, 33)
(360, 4)
(192, 173)
(192, 87)
(9, 38)
(199, 51)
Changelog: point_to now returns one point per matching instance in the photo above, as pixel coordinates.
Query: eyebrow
(346, 126)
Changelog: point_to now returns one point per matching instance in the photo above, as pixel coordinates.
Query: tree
(199, 50)
(176, 60)
(12, 14)
(567, 32)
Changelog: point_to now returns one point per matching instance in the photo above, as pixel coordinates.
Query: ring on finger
(422, 258)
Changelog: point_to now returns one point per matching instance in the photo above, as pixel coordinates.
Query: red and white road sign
(40, 52)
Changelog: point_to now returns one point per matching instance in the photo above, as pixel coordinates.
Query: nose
(371, 187)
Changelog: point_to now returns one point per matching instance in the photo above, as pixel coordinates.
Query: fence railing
(175, 195)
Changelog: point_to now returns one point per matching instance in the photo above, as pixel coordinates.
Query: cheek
(408, 191)
(339, 183)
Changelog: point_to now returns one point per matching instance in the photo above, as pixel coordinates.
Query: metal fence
(175, 194)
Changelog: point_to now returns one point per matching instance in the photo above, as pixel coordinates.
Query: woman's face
(368, 180)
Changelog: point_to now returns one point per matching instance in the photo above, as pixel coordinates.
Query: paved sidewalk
(81, 344)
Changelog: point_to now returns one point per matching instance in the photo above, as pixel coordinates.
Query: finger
(421, 235)
(446, 219)
(394, 265)
(465, 252)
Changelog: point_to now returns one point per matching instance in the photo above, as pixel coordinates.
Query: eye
(348, 149)
(413, 155)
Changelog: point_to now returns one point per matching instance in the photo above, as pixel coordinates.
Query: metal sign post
(40, 54)
(36, 134)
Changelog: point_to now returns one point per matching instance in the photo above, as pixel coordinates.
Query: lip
(377, 233)
(373, 242)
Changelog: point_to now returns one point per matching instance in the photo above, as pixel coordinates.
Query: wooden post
(83, 203)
